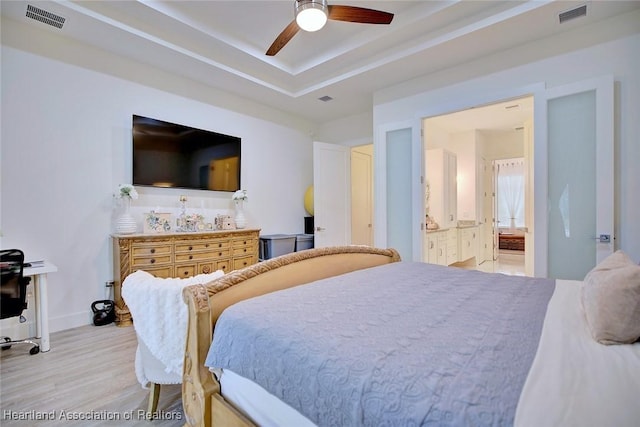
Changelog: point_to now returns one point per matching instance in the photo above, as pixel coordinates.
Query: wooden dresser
(179, 255)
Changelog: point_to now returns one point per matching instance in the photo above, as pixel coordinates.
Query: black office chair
(13, 293)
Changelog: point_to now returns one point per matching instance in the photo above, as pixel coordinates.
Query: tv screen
(172, 155)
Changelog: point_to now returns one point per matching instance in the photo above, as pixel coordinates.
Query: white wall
(463, 144)
(503, 144)
(349, 131)
(618, 58)
(66, 145)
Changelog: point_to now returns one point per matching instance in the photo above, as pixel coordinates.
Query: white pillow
(611, 300)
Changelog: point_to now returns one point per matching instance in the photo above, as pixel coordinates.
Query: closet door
(331, 194)
(451, 187)
(399, 204)
(574, 195)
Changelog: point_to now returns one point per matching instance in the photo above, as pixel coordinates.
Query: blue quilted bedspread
(405, 344)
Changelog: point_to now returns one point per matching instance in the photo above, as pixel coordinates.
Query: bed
(379, 341)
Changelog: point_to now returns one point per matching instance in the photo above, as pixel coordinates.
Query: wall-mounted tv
(172, 155)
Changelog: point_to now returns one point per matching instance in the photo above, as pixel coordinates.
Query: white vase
(126, 224)
(240, 219)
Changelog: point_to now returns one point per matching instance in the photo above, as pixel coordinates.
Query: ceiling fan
(311, 15)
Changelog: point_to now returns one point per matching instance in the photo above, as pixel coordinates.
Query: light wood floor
(89, 371)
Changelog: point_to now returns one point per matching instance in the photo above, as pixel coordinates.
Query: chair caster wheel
(34, 350)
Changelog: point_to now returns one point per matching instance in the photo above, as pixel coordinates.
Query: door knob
(320, 229)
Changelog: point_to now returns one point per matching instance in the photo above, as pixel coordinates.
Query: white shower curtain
(510, 193)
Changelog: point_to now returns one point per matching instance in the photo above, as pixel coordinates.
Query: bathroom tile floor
(508, 262)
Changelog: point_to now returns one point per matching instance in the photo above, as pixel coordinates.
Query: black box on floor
(308, 225)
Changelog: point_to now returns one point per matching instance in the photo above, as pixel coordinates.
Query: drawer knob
(219, 245)
(186, 273)
(152, 261)
(206, 246)
(245, 249)
(206, 269)
(190, 247)
(153, 251)
(219, 253)
(190, 256)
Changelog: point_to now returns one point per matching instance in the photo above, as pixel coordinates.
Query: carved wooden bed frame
(202, 401)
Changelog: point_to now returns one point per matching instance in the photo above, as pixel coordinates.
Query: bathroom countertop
(461, 225)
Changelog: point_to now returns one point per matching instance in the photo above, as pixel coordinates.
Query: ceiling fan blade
(359, 14)
(284, 37)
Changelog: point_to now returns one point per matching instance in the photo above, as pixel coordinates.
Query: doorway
(362, 195)
(509, 211)
(478, 138)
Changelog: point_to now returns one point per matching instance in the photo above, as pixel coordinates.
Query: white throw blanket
(160, 315)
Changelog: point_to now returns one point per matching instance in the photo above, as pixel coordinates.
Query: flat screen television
(172, 155)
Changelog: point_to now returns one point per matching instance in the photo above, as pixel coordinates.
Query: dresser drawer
(142, 263)
(203, 245)
(202, 256)
(244, 246)
(150, 249)
(185, 270)
(246, 250)
(242, 262)
(243, 242)
(223, 264)
(193, 269)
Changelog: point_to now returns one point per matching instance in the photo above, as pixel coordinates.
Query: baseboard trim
(69, 321)
(16, 330)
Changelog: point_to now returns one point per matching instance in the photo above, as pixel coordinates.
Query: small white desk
(39, 275)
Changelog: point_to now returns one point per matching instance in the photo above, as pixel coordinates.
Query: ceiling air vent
(44, 16)
(325, 98)
(573, 13)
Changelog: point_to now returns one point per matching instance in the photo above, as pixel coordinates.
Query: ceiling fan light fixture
(311, 15)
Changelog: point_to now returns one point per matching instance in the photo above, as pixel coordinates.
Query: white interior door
(488, 243)
(401, 198)
(574, 184)
(361, 196)
(529, 234)
(331, 194)
(399, 188)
